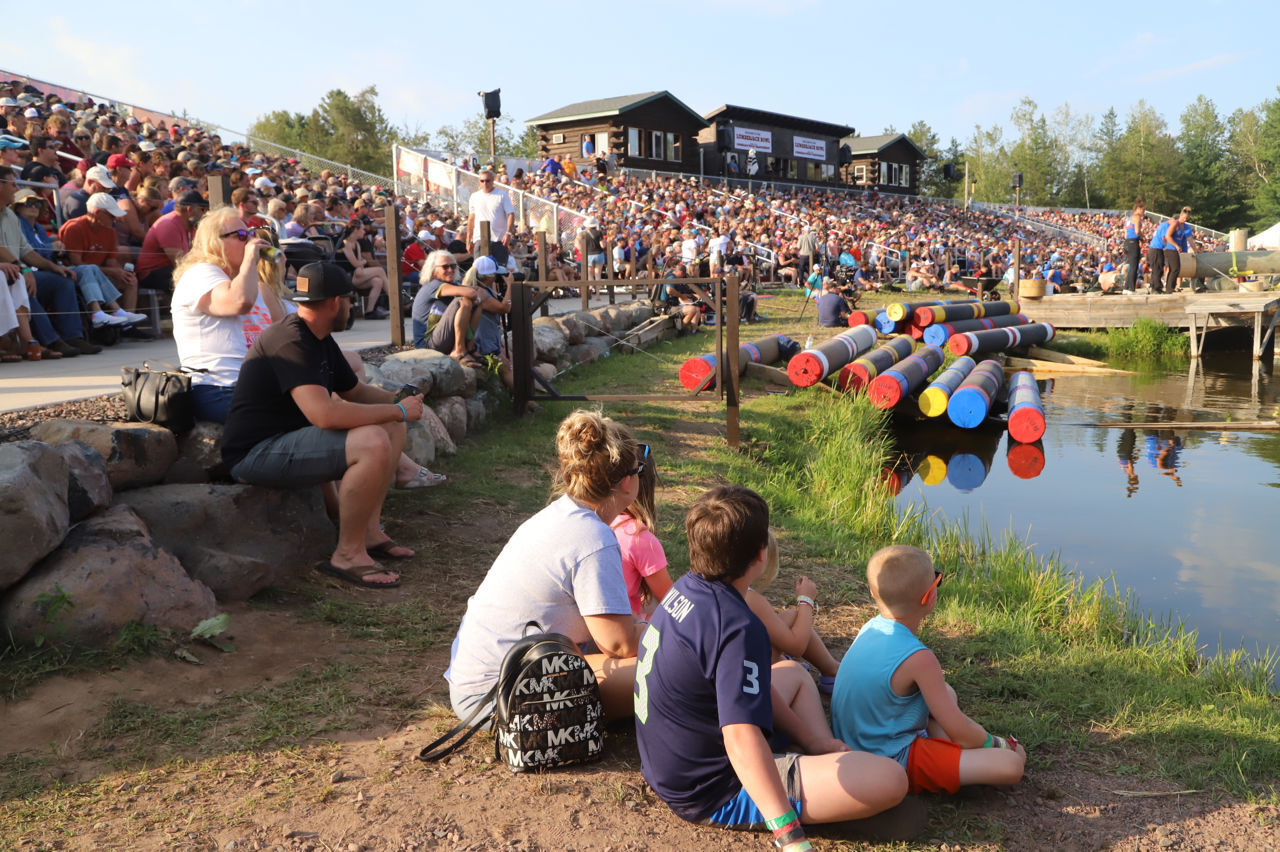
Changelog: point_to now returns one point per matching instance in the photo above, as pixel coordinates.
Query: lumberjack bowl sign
(746, 137)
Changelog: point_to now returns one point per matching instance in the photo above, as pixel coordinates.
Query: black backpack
(546, 712)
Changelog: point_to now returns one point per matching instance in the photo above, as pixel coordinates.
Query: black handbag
(159, 396)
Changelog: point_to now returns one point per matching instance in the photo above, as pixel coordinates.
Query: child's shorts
(741, 812)
(933, 766)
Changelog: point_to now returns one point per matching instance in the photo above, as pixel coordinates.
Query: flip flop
(471, 361)
(356, 575)
(424, 479)
(384, 550)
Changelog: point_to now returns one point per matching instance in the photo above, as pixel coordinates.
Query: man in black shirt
(285, 429)
(833, 310)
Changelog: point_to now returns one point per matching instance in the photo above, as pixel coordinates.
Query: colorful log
(763, 351)
(971, 401)
(893, 385)
(934, 398)
(899, 311)
(998, 339)
(967, 471)
(932, 470)
(1026, 461)
(1026, 413)
(929, 314)
(813, 365)
(885, 324)
(858, 375)
(857, 318)
(940, 332)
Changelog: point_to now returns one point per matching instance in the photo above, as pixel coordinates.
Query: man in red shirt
(168, 239)
(246, 202)
(91, 239)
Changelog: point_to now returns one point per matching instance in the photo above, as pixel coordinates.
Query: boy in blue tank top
(892, 699)
(706, 698)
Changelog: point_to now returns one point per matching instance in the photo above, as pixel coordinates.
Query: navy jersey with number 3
(703, 664)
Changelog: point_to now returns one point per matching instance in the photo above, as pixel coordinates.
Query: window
(884, 173)
(655, 145)
(906, 176)
(673, 146)
(860, 174)
(602, 143)
(790, 166)
(633, 142)
(557, 138)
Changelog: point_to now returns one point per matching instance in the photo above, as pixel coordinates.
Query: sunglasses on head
(243, 234)
(644, 460)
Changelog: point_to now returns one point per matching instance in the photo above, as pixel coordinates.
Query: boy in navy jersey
(706, 698)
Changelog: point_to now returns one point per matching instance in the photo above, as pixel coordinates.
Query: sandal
(471, 361)
(356, 574)
(424, 479)
(384, 549)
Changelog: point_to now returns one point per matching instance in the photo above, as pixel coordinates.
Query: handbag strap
(437, 750)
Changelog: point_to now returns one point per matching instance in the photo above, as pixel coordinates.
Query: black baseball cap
(319, 281)
(190, 198)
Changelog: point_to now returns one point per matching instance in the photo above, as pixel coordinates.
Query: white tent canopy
(1268, 239)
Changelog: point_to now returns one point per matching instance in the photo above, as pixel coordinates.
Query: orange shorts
(933, 766)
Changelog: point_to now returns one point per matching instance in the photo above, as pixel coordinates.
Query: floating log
(997, 339)
(1026, 461)
(966, 471)
(1042, 354)
(813, 365)
(858, 375)
(696, 370)
(932, 470)
(928, 315)
(971, 401)
(933, 399)
(939, 333)
(1026, 412)
(893, 385)
(899, 311)
(1041, 367)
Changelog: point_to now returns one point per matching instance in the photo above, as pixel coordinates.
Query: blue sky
(951, 64)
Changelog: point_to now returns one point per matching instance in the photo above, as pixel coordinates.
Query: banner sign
(814, 149)
(745, 138)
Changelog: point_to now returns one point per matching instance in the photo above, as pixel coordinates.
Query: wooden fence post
(391, 220)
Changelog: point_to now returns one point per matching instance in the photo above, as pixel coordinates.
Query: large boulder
(471, 378)
(581, 353)
(33, 506)
(136, 453)
(589, 321)
(599, 346)
(435, 373)
(444, 444)
(547, 371)
(549, 342)
(609, 319)
(107, 573)
(273, 532)
(199, 455)
(419, 443)
(573, 330)
(475, 414)
(490, 400)
(452, 412)
(88, 489)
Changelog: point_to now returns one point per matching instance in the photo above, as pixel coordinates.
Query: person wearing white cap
(263, 182)
(96, 179)
(91, 239)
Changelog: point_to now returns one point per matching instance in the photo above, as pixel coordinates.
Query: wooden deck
(1199, 313)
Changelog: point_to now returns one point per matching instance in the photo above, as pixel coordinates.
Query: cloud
(1192, 67)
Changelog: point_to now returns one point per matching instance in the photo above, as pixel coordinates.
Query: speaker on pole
(492, 103)
(1017, 180)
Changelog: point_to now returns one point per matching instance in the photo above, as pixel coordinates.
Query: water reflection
(1181, 516)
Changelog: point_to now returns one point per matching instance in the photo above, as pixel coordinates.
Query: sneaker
(84, 347)
(63, 348)
(101, 318)
(128, 316)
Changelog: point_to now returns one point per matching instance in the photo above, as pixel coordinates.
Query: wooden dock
(1199, 313)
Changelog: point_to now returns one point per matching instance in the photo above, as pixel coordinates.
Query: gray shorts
(298, 459)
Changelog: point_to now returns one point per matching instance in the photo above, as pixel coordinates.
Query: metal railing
(311, 161)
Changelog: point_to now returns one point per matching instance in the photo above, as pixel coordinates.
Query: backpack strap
(437, 750)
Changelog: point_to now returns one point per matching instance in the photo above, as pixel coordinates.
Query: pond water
(1181, 517)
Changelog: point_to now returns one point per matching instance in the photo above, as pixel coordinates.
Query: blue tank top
(1130, 232)
(865, 711)
(1157, 241)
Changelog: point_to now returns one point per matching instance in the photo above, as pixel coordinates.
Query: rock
(642, 312)
(452, 412)
(372, 375)
(439, 432)
(573, 330)
(600, 345)
(547, 371)
(589, 322)
(470, 381)
(609, 318)
(475, 414)
(435, 373)
(199, 455)
(491, 401)
(135, 453)
(419, 443)
(33, 506)
(107, 573)
(88, 489)
(582, 353)
(549, 342)
(236, 539)
(549, 322)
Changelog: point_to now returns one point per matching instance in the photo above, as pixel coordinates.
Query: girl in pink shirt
(644, 562)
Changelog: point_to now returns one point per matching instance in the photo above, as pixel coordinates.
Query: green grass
(1146, 342)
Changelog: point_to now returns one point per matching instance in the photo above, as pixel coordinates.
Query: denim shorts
(595, 259)
(741, 812)
(298, 459)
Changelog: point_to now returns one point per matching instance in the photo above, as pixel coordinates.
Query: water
(1186, 519)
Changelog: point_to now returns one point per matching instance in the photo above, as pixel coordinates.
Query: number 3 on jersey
(752, 684)
(648, 650)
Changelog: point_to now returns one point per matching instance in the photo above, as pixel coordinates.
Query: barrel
(998, 339)
(933, 399)
(813, 365)
(763, 351)
(1026, 461)
(928, 315)
(858, 375)
(1026, 413)
(899, 311)
(857, 318)
(939, 332)
(891, 386)
(971, 401)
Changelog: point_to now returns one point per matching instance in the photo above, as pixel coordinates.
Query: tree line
(354, 131)
(1226, 168)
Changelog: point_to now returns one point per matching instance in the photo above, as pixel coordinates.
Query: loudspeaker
(1017, 180)
(724, 137)
(948, 171)
(493, 104)
(846, 155)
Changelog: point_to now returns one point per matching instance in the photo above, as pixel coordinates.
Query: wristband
(989, 743)
(404, 415)
(781, 822)
(805, 599)
(801, 845)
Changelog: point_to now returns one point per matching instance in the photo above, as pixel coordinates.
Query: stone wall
(111, 523)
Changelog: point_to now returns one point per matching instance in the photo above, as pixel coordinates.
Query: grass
(1147, 342)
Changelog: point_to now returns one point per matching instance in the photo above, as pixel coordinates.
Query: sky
(866, 65)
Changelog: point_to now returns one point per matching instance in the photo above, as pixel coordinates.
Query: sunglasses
(446, 266)
(644, 461)
(937, 581)
(242, 235)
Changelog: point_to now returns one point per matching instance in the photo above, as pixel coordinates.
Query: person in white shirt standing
(491, 205)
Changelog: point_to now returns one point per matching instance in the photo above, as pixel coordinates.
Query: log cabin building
(888, 163)
(787, 148)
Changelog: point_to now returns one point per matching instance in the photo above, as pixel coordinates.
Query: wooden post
(484, 241)
(732, 361)
(219, 191)
(391, 220)
(521, 348)
(541, 239)
(608, 274)
(580, 243)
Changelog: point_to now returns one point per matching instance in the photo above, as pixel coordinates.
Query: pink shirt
(169, 231)
(642, 555)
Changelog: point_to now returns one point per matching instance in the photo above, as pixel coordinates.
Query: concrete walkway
(31, 384)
